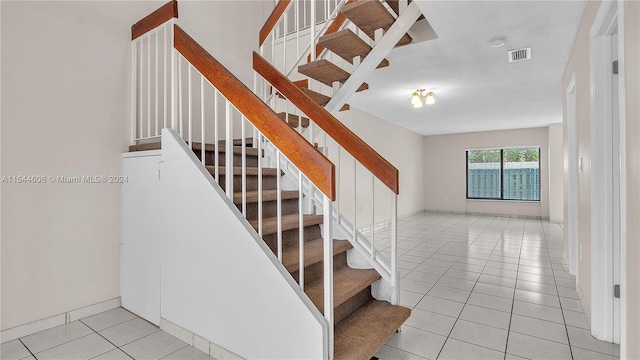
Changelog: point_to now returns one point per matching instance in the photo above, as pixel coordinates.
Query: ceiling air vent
(519, 54)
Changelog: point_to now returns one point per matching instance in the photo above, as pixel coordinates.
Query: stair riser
(290, 237)
(270, 208)
(268, 182)
(210, 158)
(315, 271)
(348, 307)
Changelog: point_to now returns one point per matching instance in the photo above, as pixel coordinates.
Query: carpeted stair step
(321, 99)
(289, 222)
(361, 334)
(346, 44)
(294, 120)
(251, 154)
(370, 15)
(313, 253)
(238, 142)
(347, 282)
(326, 72)
(269, 203)
(269, 178)
(146, 146)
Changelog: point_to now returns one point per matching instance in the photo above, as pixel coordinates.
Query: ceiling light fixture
(417, 96)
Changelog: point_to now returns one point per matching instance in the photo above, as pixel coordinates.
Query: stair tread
(347, 282)
(237, 142)
(324, 71)
(369, 15)
(147, 146)
(294, 120)
(289, 222)
(237, 149)
(267, 195)
(327, 72)
(361, 334)
(346, 44)
(196, 146)
(321, 99)
(237, 170)
(313, 253)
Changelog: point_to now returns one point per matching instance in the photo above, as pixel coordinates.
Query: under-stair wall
(217, 286)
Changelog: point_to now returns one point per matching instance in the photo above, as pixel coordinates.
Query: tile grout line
(109, 341)
(513, 300)
(544, 232)
(29, 350)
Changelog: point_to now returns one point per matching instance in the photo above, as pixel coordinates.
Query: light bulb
(431, 98)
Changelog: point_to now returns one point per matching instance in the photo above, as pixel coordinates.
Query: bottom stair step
(362, 334)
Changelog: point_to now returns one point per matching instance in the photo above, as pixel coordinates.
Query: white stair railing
(366, 199)
(172, 86)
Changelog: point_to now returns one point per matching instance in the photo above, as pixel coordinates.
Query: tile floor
(480, 288)
(112, 335)
(483, 287)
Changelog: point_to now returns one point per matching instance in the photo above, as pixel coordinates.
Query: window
(504, 174)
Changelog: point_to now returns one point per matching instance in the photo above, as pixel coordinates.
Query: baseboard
(196, 341)
(57, 320)
(585, 308)
(476, 213)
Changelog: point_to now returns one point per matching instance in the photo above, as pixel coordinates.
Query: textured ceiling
(476, 88)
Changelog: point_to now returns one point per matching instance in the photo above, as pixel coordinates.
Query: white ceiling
(476, 88)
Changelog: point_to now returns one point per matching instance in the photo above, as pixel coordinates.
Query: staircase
(359, 302)
(358, 28)
(362, 323)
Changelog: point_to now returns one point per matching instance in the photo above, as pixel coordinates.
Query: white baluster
(328, 270)
(202, 124)
(229, 151)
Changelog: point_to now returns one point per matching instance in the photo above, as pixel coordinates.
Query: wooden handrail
(271, 22)
(315, 166)
(165, 13)
(368, 157)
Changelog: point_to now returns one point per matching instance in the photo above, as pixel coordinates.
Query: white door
(140, 247)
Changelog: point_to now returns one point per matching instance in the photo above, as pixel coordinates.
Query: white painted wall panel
(219, 279)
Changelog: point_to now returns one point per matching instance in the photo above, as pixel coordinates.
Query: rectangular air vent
(519, 54)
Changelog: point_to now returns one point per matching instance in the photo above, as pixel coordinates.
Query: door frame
(571, 258)
(610, 17)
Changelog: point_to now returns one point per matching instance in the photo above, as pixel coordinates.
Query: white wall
(219, 279)
(579, 64)
(556, 173)
(445, 172)
(401, 147)
(65, 104)
(65, 88)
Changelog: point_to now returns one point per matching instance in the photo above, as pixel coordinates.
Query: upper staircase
(348, 36)
(273, 155)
